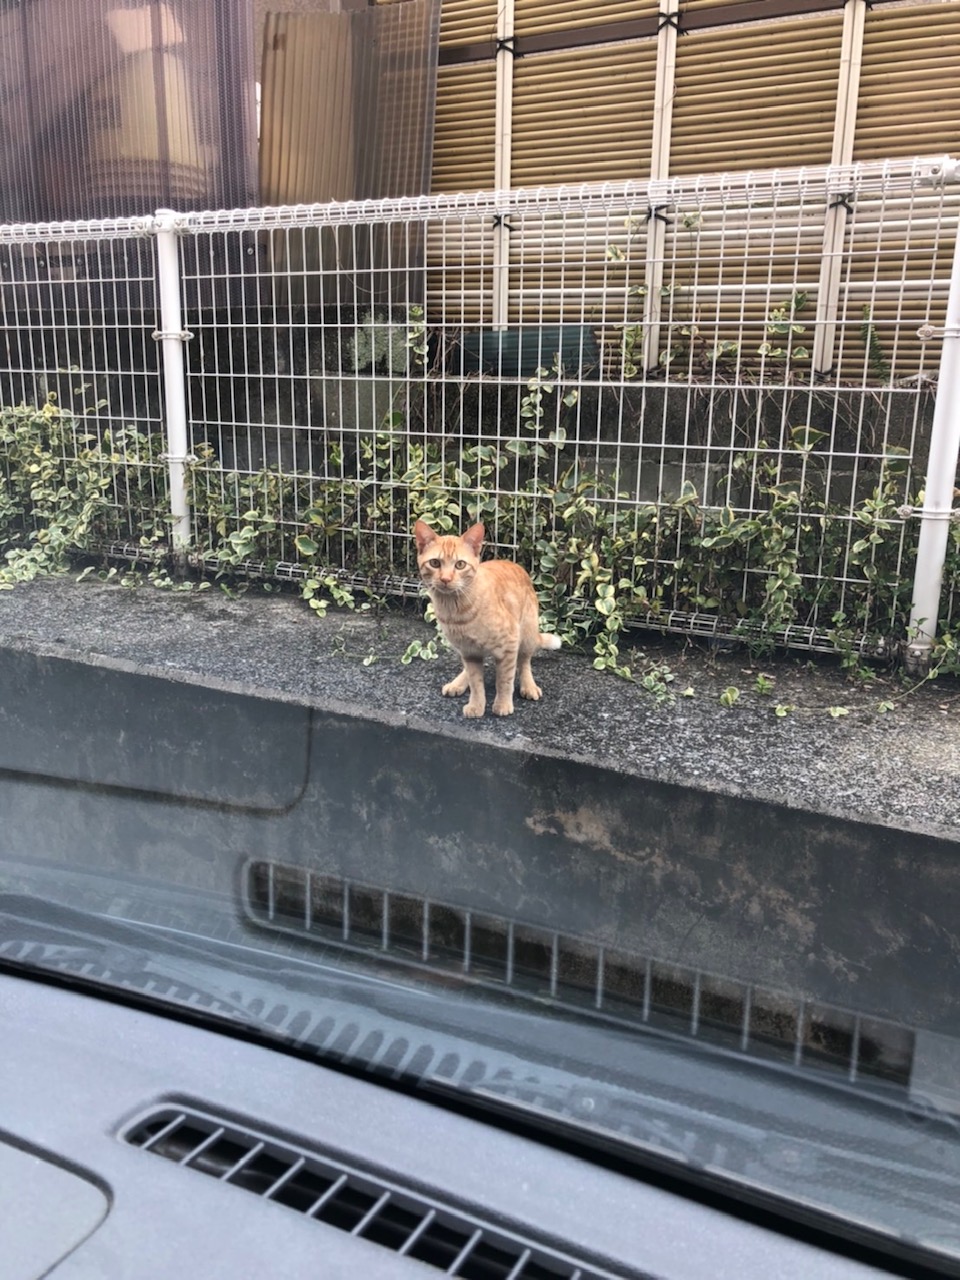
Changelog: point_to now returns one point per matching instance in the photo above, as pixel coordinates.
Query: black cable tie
(670, 20)
(843, 202)
(653, 213)
(508, 44)
(502, 220)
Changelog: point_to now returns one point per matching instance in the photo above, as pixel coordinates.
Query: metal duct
(112, 110)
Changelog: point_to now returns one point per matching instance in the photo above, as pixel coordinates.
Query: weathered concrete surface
(809, 854)
(900, 769)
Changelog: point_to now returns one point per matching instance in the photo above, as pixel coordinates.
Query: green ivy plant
(600, 563)
(62, 490)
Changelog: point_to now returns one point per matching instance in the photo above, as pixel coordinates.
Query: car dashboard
(252, 1140)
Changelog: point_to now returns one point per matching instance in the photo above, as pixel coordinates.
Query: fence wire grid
(721, 387)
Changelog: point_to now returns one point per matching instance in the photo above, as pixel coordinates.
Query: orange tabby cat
(486, 609)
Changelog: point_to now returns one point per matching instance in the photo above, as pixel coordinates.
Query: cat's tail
(549, 641)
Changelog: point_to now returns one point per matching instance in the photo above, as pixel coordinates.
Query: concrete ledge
(900, 769)
(809, 854)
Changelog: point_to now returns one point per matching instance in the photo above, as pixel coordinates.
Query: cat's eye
(434, 563)
(461, 564)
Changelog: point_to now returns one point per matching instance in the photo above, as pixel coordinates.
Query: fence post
(172, 335)
(502, 160)
(664, 91)
(937, 511)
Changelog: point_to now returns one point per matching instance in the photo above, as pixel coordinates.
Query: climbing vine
(62, 489)
(601, 565)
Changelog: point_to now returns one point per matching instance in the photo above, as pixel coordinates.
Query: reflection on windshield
(583, 977)
(757, 995)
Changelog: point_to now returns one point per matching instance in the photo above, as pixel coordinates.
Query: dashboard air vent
(329, 1191)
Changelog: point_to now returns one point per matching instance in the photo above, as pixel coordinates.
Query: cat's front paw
(474, 710)
(503, 707)
(531, 691)
(455, 687)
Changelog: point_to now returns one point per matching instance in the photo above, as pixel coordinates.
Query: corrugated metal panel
(700, 6)
(467, 22)
(727, 272)
(897, 264)
(406, 39)
(347, 103)
(757, 96)
(307, 122)
(583, 115)
(463, 146)
(689, 6)
(577, 279)
(347, 106)
(909, 103)
(534, 17)
(460, 280)
(754, 96)
(707, 12)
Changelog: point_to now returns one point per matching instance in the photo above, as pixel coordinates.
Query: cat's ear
(474, 538)
(424, 535)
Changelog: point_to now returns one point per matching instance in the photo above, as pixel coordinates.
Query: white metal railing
(704, 349)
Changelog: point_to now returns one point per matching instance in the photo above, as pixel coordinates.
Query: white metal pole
(937, 509)
(172, 335)
(664, 92)
(835, 218)
(503, 152)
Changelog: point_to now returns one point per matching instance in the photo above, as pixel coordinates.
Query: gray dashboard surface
(46, 1211)
(76, 1070)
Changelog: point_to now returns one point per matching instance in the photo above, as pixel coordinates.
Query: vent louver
(579, 976)
(364, 1206)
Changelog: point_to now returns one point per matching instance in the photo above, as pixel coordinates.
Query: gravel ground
(900, 768)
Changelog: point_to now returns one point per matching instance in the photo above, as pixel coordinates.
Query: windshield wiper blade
(116, 954)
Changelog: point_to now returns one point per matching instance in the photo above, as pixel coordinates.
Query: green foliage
(417, 337)
(783, 322)
(600, 564)
(312, 591)
(876, 358)
(772, 555)
(381, 345)
(425, 649)
(62, 491)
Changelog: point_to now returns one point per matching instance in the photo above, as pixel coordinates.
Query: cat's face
(448, 562)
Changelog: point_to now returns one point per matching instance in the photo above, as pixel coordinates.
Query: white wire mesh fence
(699, 404)
(77, 309)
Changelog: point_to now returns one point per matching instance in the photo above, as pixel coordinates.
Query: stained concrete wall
(140, 778)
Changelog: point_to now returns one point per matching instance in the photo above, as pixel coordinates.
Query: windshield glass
(749, 995)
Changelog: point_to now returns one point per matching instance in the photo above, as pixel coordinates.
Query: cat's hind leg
(528, 686)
